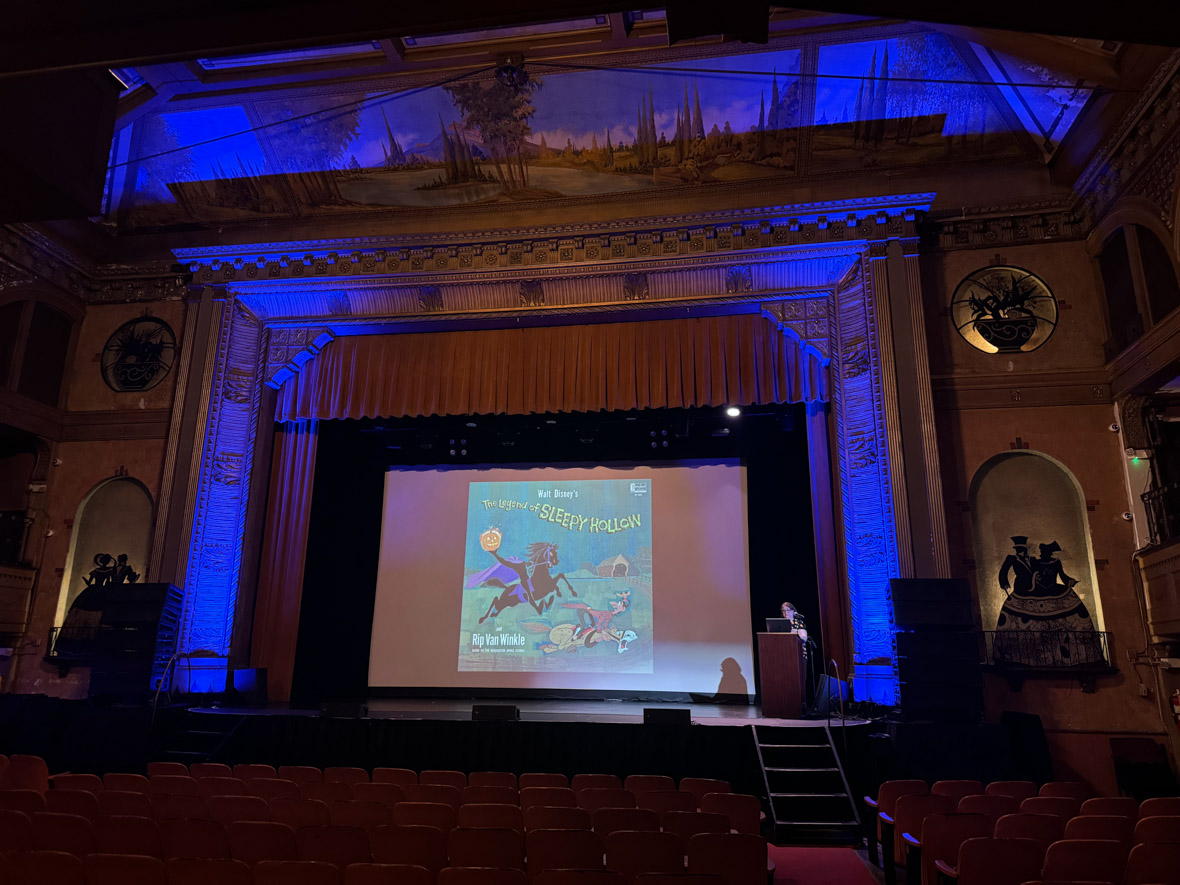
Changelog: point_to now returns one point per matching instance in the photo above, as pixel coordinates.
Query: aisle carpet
(819, 866)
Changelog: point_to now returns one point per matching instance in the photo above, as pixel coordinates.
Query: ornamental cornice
(999, 226)
(811, 226)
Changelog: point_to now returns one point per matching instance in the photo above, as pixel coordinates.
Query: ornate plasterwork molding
(287, 350)
(806, 320)
(786, 227)
(1005, 226)
(1125, 163)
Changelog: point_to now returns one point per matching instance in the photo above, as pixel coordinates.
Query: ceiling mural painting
(905, 100)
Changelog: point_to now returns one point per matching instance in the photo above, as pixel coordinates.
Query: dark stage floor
(620, 712)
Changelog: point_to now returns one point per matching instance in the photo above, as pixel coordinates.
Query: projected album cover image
(558, 577)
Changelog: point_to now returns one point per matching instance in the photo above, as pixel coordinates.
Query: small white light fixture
(733, 411)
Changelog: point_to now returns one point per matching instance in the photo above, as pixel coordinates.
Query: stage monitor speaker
(666, 716)
(494, 713)
(924, 603)
(344, 709)
(248, 686)
(831, 693)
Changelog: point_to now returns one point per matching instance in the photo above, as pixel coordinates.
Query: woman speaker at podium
(790, 613)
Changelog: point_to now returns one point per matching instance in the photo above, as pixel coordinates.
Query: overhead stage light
(733, 411)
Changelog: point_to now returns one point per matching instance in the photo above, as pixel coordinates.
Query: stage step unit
(810, 800)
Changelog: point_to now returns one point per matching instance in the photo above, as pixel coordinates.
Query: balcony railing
(1066, 650)
(1163, 512)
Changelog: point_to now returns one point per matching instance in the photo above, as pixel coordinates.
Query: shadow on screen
(731, 690)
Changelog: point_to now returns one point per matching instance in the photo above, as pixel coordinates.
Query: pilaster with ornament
(866, 488)
(222, 487)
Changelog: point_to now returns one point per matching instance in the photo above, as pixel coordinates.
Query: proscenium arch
(1035, 519)
(74, 570)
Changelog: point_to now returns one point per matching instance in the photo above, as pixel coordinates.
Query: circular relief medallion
(1004, 310)
(139, 355)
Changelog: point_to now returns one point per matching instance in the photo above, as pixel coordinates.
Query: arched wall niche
(1027, 494)
(114, 517)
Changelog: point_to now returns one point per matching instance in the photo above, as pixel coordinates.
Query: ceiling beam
(40, 36)
(1061, 56)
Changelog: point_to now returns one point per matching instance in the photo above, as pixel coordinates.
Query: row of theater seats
(732, 857)
(169, 818)
(1012, 832)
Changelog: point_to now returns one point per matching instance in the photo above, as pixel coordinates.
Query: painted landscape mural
(896, 101)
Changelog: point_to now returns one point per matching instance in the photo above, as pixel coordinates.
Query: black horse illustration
(536, 585)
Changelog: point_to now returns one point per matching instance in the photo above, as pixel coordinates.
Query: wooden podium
(780, 670)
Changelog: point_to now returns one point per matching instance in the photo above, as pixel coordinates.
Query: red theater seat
(300, 774)
(326, 791)
(130, 783)
(1044, 829)
(678, 879)
(403, 777)
(1157, 864)
(365, 815)
(537, 779)
(744, 812)
(490, 794)
(27, 801)
(610, 820)
(562, 850)
(221, 786)
(594, 798)
(595, 782)
(910, 811)
(1016, 789)
(124, 869)
(481, 847)
(299, 812)
(456, 779)
(1085, 860)
(739, 858)
(994, 807)
(230, 809)
(1157, 829)
(492, 815)
(249, 771)
(91, 783)
(989, 861)
(28, 773)
(476, 876)
(210, 769)
(337, 845)
(173, 785)
(1118, 806)
(641, 783)
(441, 793)
(125, 803)
(16, 831)
(296, 872)
(387, 794)
(632, 853)
(956, 789)
(346, 775)
(556, 817)
(63, 832)
(431, 814)
(205, 839)
(687, 824)
(492, 779)
(390, 874)
(178, 768)
(168, 807)
(941, 836)
(663, 801)
(46, 868)
(1167, 806)
(272, 788)
(579, 877)
(1101, 826)
(1064, 807)
(79, 802)
(412, 845)
(205, 871)
(253, 841)
(555, 796)
(1067, 789)
(700, 786)
(129, 835)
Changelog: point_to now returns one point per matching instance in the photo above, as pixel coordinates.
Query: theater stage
(547, 710)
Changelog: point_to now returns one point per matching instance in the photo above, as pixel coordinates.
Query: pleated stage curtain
(708, 361)
(284, 548)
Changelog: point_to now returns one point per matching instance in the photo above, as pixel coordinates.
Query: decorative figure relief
(1004, 310)
(739, 278)
(238, 386)
(339, 305)
(635, 287)
(1042, 622)
(227, 467)
(138, 355)
(430, 299)
(532, 293)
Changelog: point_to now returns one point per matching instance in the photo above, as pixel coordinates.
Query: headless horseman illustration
(1043, 621)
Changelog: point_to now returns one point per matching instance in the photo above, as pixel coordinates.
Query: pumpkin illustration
(490, 540)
